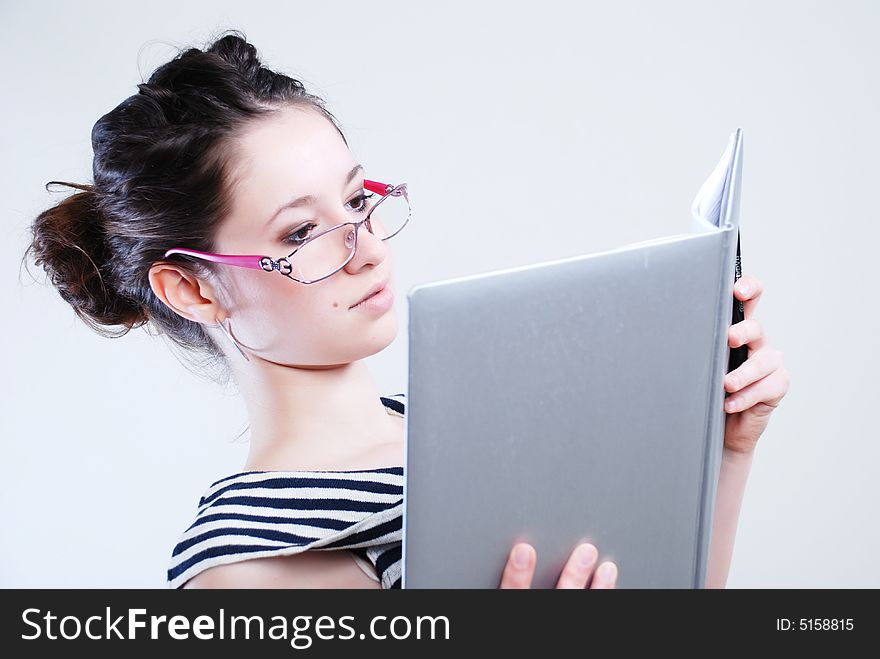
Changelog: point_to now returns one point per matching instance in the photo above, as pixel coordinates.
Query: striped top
(254, 514)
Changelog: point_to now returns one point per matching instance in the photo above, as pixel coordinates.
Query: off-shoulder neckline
(305, 473)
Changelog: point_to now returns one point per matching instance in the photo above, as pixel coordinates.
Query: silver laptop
(569, 401)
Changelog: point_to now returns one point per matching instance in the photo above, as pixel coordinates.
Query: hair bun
(69, 243)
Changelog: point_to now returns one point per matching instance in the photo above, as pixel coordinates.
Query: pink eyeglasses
(317, 256)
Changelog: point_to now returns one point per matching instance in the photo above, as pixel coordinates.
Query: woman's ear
(185, 294)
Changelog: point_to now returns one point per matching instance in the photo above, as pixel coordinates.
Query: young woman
(229, 213)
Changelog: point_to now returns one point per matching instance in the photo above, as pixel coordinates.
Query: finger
(759, 364)
(748, 289)
(520, 567)
(748, 331)
(579, 567)
(606, 576)
(768, 390)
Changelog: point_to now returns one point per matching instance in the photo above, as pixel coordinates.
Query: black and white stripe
(277, 513)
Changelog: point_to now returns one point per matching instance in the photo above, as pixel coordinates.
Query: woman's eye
(300, 235)
(360, 202)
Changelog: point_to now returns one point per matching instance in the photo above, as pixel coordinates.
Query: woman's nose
(370, 249)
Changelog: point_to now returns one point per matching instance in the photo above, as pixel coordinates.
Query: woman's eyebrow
(307, 200)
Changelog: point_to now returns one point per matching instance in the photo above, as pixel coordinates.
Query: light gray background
(527, 132)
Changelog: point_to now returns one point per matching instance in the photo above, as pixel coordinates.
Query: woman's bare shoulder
(309, 569)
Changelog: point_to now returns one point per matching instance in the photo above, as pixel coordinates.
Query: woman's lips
(379, 302)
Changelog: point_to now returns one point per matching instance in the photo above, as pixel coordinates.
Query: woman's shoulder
(310, 569)
(258, 514)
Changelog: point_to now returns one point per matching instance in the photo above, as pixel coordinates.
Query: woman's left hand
(758, 385)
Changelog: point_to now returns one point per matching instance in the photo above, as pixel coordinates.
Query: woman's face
(294, 153)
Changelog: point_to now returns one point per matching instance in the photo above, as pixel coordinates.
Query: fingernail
(731, 405)
(586, 555)
(608, 571)
(744, 289)
(520, 556)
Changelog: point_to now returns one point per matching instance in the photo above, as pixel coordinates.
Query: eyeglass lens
(328, 252)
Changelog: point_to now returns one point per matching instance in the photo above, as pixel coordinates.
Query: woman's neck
(317, 418)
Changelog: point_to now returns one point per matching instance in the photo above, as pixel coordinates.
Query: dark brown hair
(162, 178)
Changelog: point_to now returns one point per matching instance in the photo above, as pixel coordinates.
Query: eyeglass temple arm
(378, 188)
(242, 260)
(253, 261)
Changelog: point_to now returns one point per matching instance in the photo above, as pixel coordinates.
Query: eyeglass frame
(282, 265)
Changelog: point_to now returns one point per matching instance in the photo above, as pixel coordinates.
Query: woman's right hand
(580, 567)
